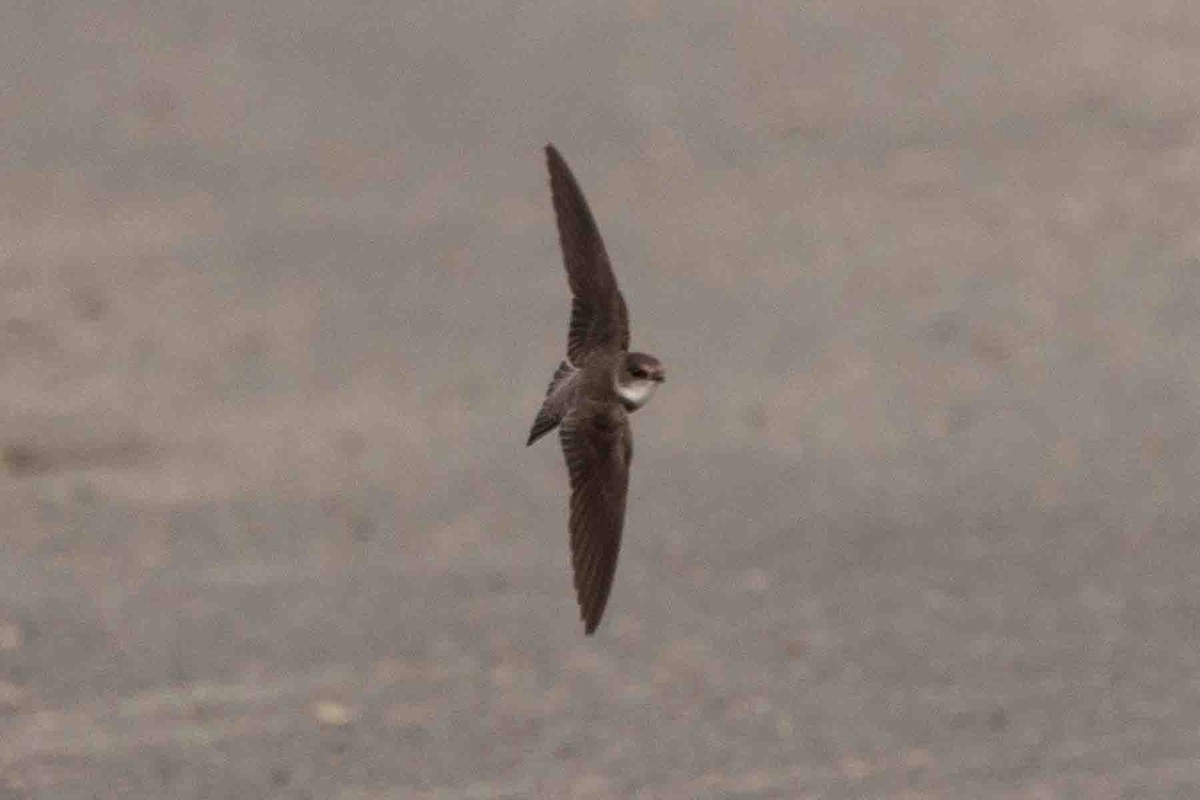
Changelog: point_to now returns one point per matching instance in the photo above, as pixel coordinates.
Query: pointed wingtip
(591, 617)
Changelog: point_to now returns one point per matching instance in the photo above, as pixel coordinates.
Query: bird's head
(639, 376)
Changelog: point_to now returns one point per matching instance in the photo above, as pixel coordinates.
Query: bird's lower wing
(598, 449)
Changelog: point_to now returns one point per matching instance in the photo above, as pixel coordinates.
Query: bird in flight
(592, 394)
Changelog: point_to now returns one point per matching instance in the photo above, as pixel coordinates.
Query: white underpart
(637, 391)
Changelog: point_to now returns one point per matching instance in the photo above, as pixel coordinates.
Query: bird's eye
(638, 372)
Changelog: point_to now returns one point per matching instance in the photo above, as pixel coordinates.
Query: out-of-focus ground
(915, 517)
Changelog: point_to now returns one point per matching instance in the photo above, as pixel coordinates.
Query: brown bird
(591, 396)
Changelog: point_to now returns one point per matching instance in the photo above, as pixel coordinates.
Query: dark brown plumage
(598, 445)
(599, 317)
(591, 396)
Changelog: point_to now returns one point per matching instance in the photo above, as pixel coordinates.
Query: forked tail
(553, 407)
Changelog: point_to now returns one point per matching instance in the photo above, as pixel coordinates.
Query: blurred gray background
(915, 516)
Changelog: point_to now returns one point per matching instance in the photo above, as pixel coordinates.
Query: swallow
(593, 392)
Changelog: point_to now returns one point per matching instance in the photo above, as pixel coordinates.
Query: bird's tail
(552, 409)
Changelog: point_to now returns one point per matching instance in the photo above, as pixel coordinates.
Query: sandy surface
(915, 516)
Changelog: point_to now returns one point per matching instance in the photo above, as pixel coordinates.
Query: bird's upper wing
(599, 318)
(598, 448)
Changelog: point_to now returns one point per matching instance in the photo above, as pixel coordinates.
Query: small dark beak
(660, 378)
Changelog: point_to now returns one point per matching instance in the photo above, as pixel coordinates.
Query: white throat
(636, 392)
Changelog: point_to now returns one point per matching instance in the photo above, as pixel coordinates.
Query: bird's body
(591, 396)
